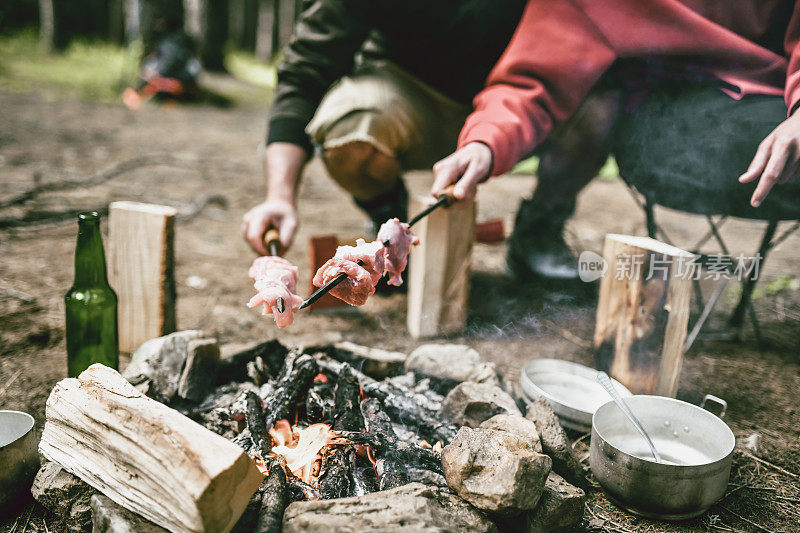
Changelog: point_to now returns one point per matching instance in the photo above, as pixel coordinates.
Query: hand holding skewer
(445, 199)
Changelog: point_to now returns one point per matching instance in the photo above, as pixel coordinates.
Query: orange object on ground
(490, 231)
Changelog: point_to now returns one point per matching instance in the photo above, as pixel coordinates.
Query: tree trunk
(214, 34)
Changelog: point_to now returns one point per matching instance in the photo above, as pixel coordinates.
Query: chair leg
(737, 318)
(651, 219)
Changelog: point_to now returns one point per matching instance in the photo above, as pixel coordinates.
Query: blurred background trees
(216, 26)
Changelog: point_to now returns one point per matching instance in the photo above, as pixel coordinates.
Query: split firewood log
(145, 456)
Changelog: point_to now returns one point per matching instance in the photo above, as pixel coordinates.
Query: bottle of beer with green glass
(91, 303)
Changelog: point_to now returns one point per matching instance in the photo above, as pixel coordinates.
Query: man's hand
(466, 168)
(278, 213)
(777, 159)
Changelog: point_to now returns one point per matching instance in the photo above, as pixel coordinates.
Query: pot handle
(716, 400)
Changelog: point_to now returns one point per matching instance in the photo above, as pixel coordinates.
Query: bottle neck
(90, 259)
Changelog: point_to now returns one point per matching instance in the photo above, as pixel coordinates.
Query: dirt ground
(212, 154)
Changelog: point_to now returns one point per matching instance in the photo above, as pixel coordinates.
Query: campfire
(365, 428)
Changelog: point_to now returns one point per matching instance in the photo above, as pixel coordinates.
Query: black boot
(537, 246)
(391, 204)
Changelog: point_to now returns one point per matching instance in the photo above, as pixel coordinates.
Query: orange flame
(302, 449)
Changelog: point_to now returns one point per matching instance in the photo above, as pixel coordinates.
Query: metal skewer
(273, 242)
(445, 198)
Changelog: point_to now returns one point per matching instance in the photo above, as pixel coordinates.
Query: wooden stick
(642, 313)
(142, 270)
(439, 267)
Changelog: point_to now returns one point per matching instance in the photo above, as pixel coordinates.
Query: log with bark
(295, 379)
(234, 367)
(274, 500)
(336, 478)
(145, 456)
(414, 410)
(256, 424)
(390, 469)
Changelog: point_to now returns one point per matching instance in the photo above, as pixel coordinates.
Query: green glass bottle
(91, 303)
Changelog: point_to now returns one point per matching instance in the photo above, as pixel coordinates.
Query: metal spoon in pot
(605, 381)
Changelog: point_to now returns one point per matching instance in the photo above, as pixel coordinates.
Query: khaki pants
(399, 115)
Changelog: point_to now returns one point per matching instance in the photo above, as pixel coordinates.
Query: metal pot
(18, 458)
(695, 445)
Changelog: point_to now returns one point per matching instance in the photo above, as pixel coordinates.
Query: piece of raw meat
(275, 277)
(364, 266)
(400, 238)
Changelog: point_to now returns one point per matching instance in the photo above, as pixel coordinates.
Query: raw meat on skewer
(400, 238)
(364, 266)
(275, 277)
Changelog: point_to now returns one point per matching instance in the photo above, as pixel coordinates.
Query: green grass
(99, 72)
(609, 172)
(88, 70)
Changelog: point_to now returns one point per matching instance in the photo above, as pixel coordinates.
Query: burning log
(274, 500)
(145, 456)
(347, 397)
(412, 409)
(319, 402)
(299, 490)
(234, 367)
(391, 471)
(293, 383)
(256, 423)
(336, 480)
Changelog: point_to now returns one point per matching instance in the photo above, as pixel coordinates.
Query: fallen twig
(43, 220)
(9, 382)
(566, 334)
(747, 520)
(767, 463)
(107, 174)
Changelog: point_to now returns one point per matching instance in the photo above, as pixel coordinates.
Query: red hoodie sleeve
(792, 45)
(554, 58)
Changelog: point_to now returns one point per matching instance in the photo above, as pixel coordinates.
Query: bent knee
(361, 168)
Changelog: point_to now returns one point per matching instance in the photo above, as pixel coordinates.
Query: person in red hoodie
(706, 93)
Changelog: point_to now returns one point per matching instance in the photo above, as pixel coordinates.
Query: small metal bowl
(18, 458)
(570, 388)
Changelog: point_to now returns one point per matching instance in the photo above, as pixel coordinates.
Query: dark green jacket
(449, 44)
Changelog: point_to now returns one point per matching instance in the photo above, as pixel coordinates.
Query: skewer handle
(447, 194)
(445, 199)
(272, 238)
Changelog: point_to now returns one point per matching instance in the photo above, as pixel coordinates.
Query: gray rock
(199, 371)
(469, 404)
(555, 442)
(410, 508)
(156, 365)
(495, 470)
(65, 495)
(108, 517)
(455, 362)
(516, 425)
(560, 508)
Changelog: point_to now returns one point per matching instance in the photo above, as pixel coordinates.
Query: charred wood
(346, 401)
(274, 500)
(256, 423)
(411, 409)
(299, 490)
(234, 367)
(319, 402)
(293, 384)
(336, 477)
